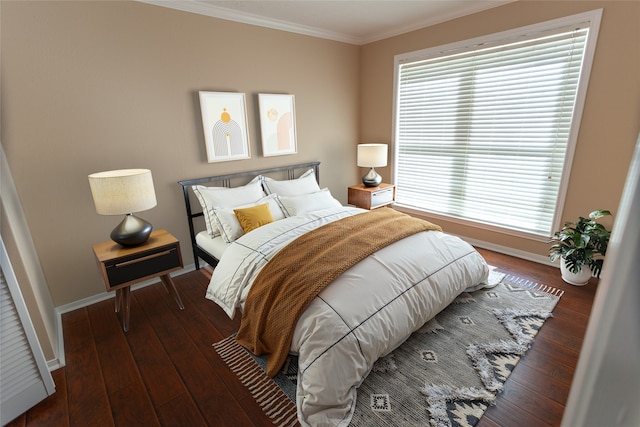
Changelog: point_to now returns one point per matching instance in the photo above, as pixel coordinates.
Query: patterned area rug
(446, 374)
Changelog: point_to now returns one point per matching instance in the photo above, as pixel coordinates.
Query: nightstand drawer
(382, 197)
(151, 263)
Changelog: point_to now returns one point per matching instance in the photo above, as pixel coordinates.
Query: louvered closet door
(24, 377)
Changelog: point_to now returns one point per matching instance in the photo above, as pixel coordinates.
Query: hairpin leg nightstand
(123, 266)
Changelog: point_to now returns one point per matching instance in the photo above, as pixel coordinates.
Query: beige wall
(611, 119)
(93, 86)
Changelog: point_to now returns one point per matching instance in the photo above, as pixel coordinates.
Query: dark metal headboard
(226, 181)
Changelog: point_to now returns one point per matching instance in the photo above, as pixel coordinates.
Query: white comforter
(364, 314)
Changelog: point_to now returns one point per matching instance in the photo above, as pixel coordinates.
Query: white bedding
(213, 245)
(364, 314)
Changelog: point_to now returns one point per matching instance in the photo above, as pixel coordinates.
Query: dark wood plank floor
(164, 371)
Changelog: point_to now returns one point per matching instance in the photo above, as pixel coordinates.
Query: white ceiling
(350, 21)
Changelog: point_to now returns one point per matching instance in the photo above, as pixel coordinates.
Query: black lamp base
(132, 231)
(371, 178)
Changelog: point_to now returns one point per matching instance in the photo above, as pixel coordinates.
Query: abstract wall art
(278, 124)
(224, 120)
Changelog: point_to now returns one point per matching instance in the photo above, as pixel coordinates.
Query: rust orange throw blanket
(291, 280)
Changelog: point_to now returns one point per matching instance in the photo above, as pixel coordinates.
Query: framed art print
(224, 120)
(278, 124)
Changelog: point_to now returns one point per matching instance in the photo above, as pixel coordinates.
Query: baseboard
(59, 362)
(540, 259)
(55, 364)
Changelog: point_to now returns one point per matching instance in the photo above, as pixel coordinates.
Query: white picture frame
(224, 121)
(277, 124)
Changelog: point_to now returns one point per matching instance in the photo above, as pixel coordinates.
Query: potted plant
(581, 246)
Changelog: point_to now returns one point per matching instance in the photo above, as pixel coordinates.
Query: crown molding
(207, 9)
(464, 10)
(203, 8)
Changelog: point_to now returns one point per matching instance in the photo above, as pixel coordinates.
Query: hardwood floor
(164, 371)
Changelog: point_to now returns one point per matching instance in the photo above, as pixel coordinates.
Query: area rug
(446, 374)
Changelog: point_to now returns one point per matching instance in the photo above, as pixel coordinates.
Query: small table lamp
(372, 155)
(122, 192)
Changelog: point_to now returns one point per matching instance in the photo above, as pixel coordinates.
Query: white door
(24, 377)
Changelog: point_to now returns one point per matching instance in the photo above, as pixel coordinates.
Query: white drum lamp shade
(123, 192)
(371, 156)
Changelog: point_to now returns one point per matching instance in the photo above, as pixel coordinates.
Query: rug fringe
(274, 403)
(533, 285)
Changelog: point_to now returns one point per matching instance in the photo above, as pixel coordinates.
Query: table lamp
(123, 192)
(370, 156)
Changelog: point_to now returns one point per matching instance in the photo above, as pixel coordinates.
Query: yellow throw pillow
(254, 217)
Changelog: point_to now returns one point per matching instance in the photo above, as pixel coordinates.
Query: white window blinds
(482, 132)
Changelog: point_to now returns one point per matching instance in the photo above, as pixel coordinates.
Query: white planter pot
(578, 279)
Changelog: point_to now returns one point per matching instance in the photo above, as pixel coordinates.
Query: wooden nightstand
(123, 266)
(372, 197)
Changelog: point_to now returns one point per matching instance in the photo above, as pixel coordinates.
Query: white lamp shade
(123, 191)
(372, 155)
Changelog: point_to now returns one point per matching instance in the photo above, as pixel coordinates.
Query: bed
(204, 244)
(367, 308)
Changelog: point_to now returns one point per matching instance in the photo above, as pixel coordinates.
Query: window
(484, 129)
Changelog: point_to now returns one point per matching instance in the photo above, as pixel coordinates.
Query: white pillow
(297, 205)
(224, 197)
(228, 224)
(305, 184)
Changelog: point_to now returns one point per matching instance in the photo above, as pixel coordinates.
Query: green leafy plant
(582, 243)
